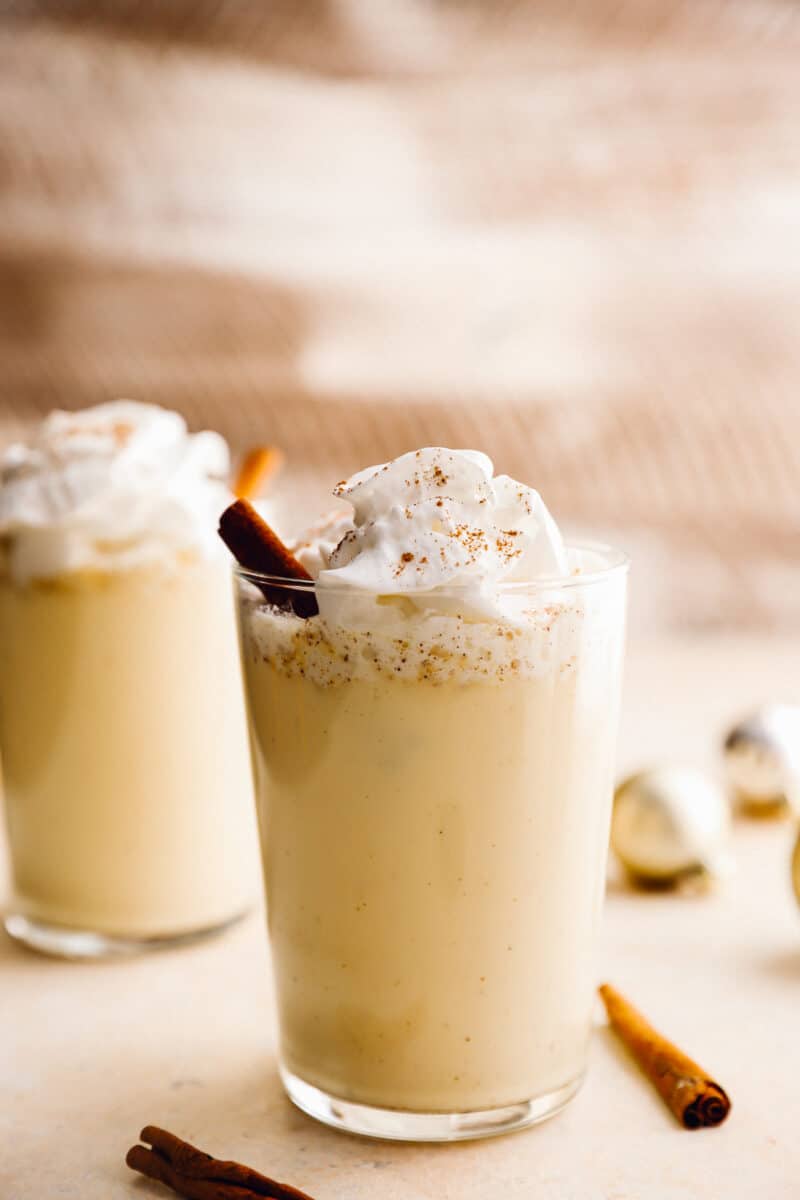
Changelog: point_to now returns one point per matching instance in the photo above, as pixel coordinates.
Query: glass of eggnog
(126, 772)
(433, 696)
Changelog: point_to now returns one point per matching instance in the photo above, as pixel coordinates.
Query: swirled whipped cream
(437, 529)
(112, 487)
(425, 581)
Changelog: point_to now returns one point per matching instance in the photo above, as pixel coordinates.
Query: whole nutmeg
(668, 823)
(762, 759)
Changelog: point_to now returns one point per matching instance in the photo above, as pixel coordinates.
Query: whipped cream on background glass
(118, 485)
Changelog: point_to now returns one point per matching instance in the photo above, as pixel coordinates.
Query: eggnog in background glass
(434, 754)
(126, 772)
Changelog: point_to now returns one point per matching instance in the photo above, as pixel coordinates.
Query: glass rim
(617, 562)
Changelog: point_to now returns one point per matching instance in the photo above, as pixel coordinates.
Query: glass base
(66, 942)
(400, 1125)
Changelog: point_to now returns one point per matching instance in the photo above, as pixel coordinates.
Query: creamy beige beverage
(434, 755)
(126, 770)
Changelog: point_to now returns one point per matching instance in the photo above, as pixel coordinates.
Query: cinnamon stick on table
(257, 468)
(258, 548)
(197, 1176)
(694, 1098)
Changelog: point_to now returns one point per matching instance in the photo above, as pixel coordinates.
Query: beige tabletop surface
(186, 1039)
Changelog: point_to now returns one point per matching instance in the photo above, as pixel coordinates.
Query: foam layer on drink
(543, 630)
(116, 486)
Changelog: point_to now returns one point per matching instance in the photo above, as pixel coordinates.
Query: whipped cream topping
(417, 585)
(438, 530)
(316, 546)
(112, 487)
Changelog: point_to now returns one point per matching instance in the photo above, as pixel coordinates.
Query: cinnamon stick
(197, 1176)
(685, 1087)
(257, 468)
(258, 548)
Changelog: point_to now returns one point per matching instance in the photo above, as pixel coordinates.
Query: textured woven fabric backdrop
(568, 233)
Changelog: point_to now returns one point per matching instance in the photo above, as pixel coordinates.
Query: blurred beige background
(567, 233)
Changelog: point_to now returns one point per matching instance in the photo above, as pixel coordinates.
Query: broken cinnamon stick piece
(259, 549)
(696, 1100)
(197, 1176)
(257, 468)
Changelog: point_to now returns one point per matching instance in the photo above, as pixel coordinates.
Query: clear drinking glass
(126, 772)
(434, 797)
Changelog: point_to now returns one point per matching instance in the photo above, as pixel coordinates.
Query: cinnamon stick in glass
(257, 468)
(197, 1176)
(259, 549)
(695, 1099)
